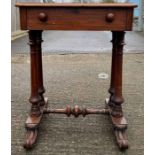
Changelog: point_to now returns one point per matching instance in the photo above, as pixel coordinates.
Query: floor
(74, 79)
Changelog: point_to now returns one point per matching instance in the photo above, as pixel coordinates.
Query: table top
(72, 3)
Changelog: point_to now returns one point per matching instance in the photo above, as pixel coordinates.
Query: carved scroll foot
(32, 126)
(121, 139)
(120, 127)
(31, 137)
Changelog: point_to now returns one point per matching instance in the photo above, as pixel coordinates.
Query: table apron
(76, 19)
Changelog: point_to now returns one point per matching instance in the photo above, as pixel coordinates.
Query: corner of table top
(39, 4)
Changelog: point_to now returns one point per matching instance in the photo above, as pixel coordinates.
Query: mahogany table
(36, 16)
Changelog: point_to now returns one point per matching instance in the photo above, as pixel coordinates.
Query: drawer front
(79, 19)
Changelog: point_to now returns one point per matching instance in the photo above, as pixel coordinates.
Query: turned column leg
(35, 98)
(116, 98)
(111, 89)
(41, 89)
(37, 89)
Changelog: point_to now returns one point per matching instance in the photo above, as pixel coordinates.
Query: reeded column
(111, 89)
(116, 82)
(35, 46)
(41, 89)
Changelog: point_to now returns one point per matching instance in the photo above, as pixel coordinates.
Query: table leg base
(121, 139)
(120, 127)
(33, 122)
(31, 137)
(32, 126)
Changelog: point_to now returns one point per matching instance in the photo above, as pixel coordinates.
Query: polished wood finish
(98, 5)
(110, 17)
(116, 17)
(77, 18)
(117, 98)
(23, 19)
(76, 111)
(35, 98)
(119, 126)
(42, 16)
(37, 89)
(32, 126)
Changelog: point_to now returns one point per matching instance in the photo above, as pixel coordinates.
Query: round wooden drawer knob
(110, 17)
(42, 17)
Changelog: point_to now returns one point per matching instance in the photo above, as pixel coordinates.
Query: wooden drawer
(51, 18)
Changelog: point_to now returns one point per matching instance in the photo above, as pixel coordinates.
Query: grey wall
(14, 17)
